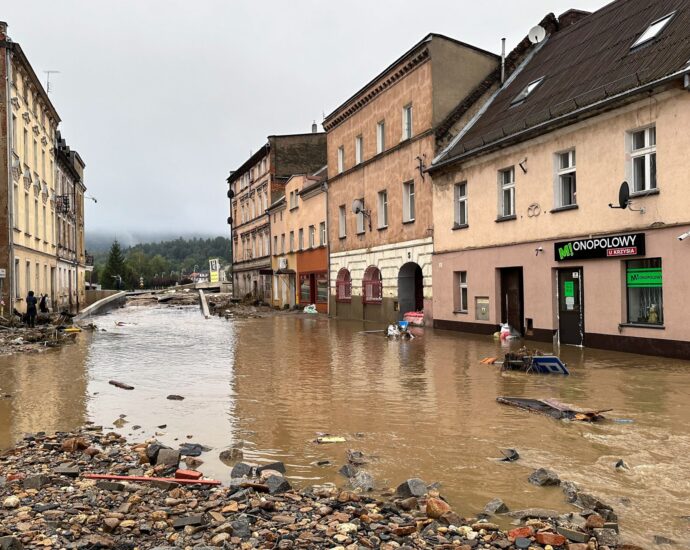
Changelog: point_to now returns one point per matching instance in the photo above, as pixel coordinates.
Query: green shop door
(571, 313)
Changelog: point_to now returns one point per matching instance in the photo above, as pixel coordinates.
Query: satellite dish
(537, 34)
(357, 206)
(624, 195)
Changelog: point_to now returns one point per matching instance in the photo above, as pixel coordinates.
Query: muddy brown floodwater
(422, 408)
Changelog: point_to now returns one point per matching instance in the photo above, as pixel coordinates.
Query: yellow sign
(214, 270)
(214, 276)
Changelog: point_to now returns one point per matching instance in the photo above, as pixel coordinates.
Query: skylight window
(653, 30)
(526, 91)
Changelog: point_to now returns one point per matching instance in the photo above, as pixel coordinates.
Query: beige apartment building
(27, 174)
(253, 187)
(523, 225)
(300, 243)
(71, 264)
(380, 142)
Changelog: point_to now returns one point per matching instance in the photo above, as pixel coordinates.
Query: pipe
(11, 278)
(503, 60)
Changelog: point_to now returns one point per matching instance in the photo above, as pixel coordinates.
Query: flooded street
(423, 408)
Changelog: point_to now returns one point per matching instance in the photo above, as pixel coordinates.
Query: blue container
(403, 324)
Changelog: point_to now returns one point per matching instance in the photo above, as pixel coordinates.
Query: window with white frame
(653, 30)
(359, 149)
(407, 122)
(312, 236)
(342, 227)
(341, 159)
(460, 200)
(360, 218)
(460, 291)
(293, 199)
(506, 195)
(292, 241)
(380, 137)
(408, 201)
(322, 234)
(383, 209)
(300, 239)
(566, 181)
(643, 159)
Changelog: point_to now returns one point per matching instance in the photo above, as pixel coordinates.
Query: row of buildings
(41, 192)
(483, 189)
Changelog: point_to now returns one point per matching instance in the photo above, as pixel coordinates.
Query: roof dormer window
(653, 30)
(526, 91)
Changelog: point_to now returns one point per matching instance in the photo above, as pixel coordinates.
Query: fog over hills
(100, 241)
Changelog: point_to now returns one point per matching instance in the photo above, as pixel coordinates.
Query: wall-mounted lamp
(684, 236)
(523, 165)
(421, 166)
(538, 250)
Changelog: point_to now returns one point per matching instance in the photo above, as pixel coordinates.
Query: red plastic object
(145, 478)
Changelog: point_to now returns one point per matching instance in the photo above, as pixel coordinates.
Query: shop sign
(631, 244)
(644, 277)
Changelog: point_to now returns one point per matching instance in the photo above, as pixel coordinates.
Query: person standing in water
(31, 302)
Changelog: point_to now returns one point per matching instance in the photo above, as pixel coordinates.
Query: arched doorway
(410, 288)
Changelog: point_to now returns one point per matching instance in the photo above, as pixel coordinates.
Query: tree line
(154, 265)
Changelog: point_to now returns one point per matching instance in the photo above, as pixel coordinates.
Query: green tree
(115, 272)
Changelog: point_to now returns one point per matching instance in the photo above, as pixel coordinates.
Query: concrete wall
(92, 296)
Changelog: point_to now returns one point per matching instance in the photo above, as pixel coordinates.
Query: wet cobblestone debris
(46, 502)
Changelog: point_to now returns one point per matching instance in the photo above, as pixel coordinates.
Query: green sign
(568, 289)
(644, 277)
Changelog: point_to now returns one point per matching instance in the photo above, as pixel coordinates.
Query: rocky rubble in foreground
(46, 502)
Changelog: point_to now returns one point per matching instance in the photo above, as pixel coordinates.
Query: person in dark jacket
(31, 302)
(43, 304)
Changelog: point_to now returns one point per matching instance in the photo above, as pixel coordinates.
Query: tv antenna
(624, 202)
(537, 34)
(48, 73)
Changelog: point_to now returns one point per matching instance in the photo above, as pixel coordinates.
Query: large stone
(572, 534)
(36, 482)
(168, 457)
(595, 521)
(152, 451)
(553, 539)
(606, 537)
(496, 506)
(69, 471)
(435, 507)
(241, 528)
(413, 487)
(242, 469)
(348, 470)
(276, 466)
(197, 519)
(362, 480)
(543, 477)
(277, 484)
(110, 485)
(536, 513)
(11, 501)
(229, 456)
(10, 543)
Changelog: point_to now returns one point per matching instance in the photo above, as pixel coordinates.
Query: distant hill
(100, 241)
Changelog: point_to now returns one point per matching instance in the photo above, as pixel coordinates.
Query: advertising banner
(631, 244)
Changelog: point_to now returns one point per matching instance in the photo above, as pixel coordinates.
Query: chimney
(571, 17)
(314, 127)
(3, 30)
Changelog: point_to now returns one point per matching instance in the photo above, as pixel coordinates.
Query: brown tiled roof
(584, 63)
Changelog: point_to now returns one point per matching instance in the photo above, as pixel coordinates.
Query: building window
(460, 291)
(292, 241)
(380, 137)
(275, 245)
(321, 288)
(506, 197)
(372, 286)
(526, 91)
(25, 147)
(407, 122)
(312, 236)
(304, 289)
(359, 149)
(282, 243)
(36, 234)
(360, 218)
(566, 180)
(15, 206)
(293, 199)
(643, 159)
(300, 239)
(645, 293)
(322, 234)
(26, 213)
(653, 30)
(341, 159)
(343, 286)
(17, 293)
(35, 166)
(408, 202)
(342, 227)
(267, 244)
(383, 209)
(45, 234)
(460, 204)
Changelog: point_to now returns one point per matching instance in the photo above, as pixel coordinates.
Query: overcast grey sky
(163, 97)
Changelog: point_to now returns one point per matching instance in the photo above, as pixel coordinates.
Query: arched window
(343, 286)
(372, 286)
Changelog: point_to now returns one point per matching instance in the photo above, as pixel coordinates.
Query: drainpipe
(324, 186)
(10, 279)
(503, 60)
